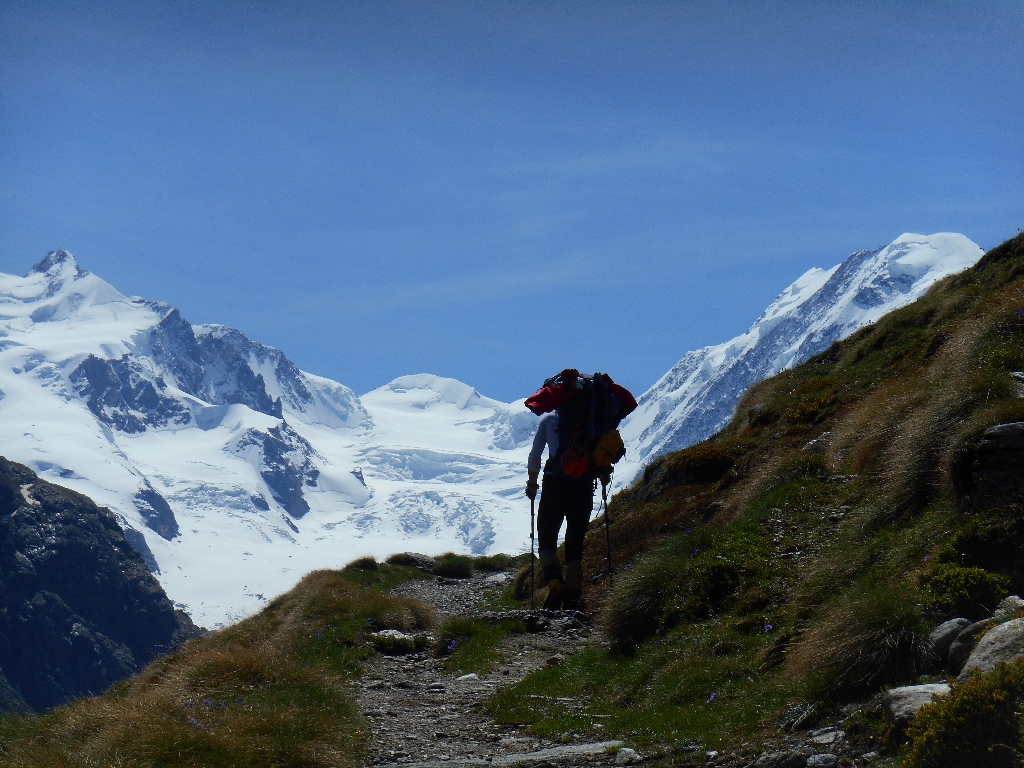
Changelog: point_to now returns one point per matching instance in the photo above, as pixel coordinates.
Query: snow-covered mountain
(235, 473)
(231, 470)
(698, 396)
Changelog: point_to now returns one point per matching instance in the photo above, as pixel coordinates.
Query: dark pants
(563, 498)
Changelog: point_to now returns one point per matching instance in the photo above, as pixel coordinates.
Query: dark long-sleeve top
(547, 434)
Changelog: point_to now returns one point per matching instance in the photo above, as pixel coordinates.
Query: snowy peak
(697, 397)
(423, 390)
(57, 264)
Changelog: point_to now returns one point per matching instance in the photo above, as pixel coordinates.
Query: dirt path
(421, 716)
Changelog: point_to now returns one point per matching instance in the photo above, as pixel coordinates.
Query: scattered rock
(818, 444)
(943, 636)
(961, 648)
(1008, 606)
(1004, 642)
(827, 736)
(869, 757)
(1018, 382)
(554, 661)
(626, 756)
(824, 760)
(469, 677)
(789, 759)
(901, 704)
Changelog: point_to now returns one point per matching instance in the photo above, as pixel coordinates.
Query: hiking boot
(556, 592)
(572, 599)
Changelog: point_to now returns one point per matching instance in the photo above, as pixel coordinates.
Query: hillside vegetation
(795, 562)
(272, 690)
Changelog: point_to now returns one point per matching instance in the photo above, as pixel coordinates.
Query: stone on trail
(1008, 606)
(393, 642)
(943, 636)
(626, 756)
(787, 759)
(828, 736)
(901, 704)
(1001, 643)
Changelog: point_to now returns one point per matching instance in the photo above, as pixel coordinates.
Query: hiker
(579, 416)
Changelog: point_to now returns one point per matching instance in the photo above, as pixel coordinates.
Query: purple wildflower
(712, 697)
(768, 627)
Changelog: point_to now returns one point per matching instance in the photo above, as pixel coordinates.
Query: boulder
(824, 760)
(901, 704)
(1008, 606)
(626, 756)
(790, 758)
(961, 648)
(943, 636)
(1004, 642)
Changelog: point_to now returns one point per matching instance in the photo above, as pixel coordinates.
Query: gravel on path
(421, 716)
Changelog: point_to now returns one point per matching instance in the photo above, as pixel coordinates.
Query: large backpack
(589, 411)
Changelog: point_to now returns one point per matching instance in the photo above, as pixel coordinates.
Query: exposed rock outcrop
(997, 469)
(79, 608)
(1003, 643)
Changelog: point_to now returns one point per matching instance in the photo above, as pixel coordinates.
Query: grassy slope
(757, 579)
(270, 690)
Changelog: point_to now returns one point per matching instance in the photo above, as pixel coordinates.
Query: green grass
(470, 645)
(271, 690)
(702, 685)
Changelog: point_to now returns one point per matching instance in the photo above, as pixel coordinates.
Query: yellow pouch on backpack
(609, 449)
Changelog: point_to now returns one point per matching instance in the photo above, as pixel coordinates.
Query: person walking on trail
(579, 416)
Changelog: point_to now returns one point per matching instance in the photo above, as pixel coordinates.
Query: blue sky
(495, 190)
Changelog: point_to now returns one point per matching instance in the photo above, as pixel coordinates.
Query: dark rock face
(119, 395)
(79, 609)
(285, 465)
(157, 513)
(997, 472)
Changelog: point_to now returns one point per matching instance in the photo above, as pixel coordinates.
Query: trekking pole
(532, 569)
(607, 523)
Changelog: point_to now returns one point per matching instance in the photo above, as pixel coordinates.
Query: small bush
(493, 563)
(976, 725)
(690, 578)
(522, 583)
(471, 644)
(861, 645)
(454, 566)
(960, 591)
(367, 563)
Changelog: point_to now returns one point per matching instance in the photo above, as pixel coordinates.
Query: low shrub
(368, 563)
(691, 577)
(977, 724)
(453, 566)
(470, 645)
(961, 591)
(860, 645)
(528, 575)
(493, 563)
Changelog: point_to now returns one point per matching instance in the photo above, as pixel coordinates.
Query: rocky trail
(421, 715)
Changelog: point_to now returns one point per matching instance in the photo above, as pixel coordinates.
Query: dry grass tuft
(271, 690)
